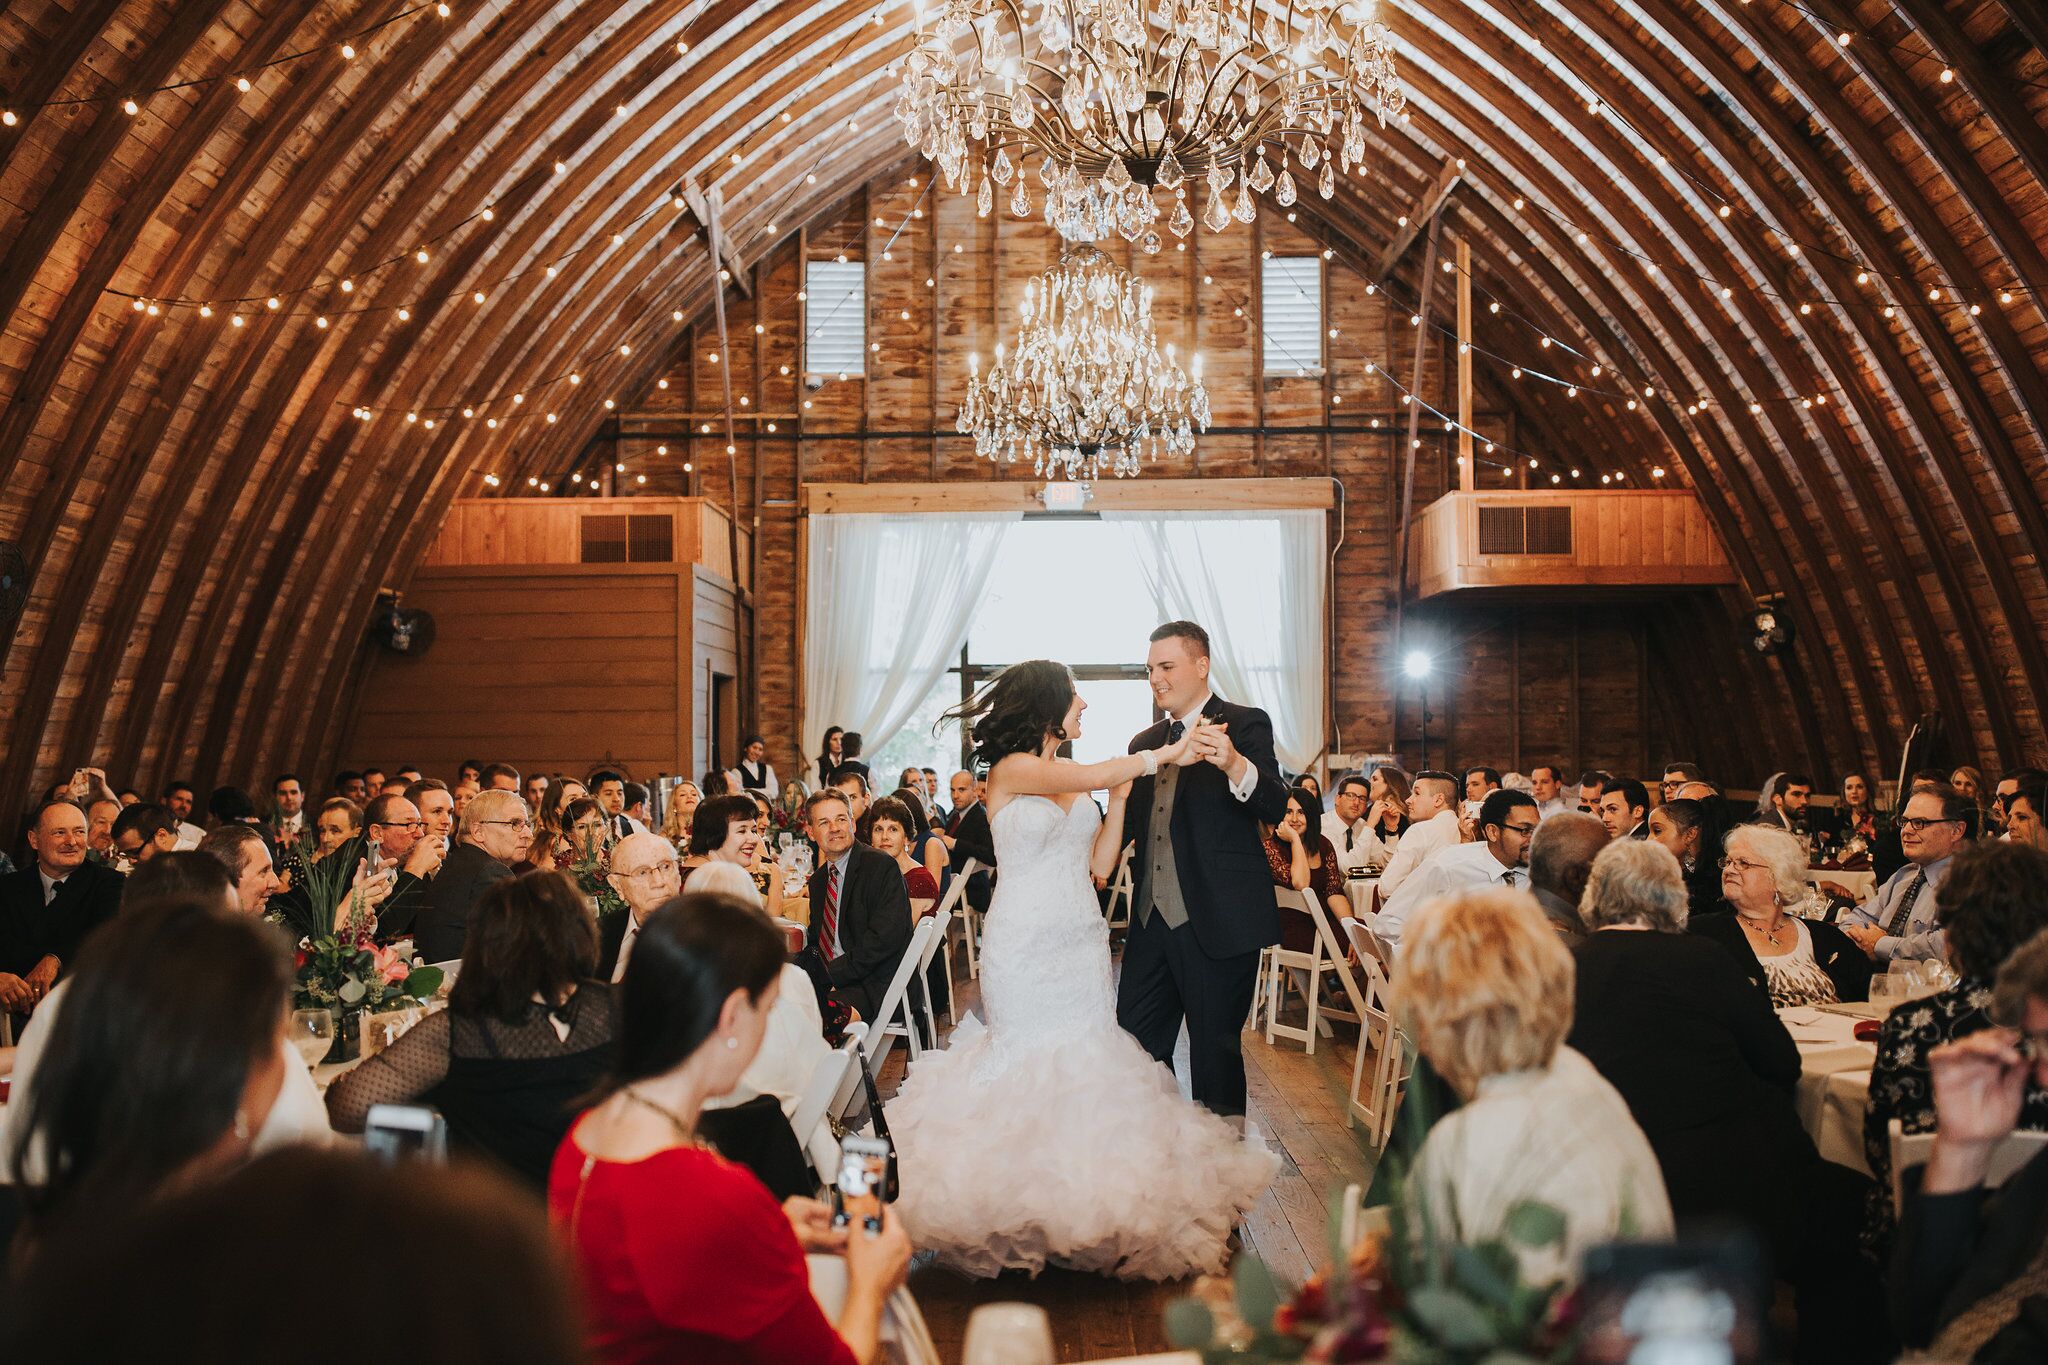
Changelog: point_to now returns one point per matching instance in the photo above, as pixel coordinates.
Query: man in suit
(1625, 809)
(1203, 905)
(395, 836)
(645, 874)
(48, 908)
(968, 836)
(494, 833)
(860, 911)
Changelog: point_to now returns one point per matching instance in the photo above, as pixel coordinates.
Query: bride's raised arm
(1031, 775)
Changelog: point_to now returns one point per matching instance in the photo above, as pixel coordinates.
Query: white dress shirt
(50, 884)
(1365, 843)
(1454, 867)
(1240, 787)
(188, 839)
(1556, 805)
(769, 787)
(1558, 1135)
(1924, 940)
(1417, 844)
(298, 1115)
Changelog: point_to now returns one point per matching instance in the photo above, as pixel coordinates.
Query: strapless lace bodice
(1045, 955)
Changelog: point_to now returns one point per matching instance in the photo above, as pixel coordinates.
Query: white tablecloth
(1860, 883)
(1834, 1080)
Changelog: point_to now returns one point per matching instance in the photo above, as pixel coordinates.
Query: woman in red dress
(683, 1255)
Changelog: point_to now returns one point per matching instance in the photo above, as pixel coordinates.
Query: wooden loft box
(1620, 538)
(482, 532)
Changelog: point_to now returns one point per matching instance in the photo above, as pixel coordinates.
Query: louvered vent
(609, 538)
(835, 317)
(1291, 315)
(604, 540)
(1524, 530)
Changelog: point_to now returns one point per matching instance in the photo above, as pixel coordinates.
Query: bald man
(645, 873)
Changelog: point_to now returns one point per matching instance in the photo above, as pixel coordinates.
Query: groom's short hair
(1196, 637)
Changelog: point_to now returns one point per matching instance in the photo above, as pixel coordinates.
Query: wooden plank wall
(715, 623)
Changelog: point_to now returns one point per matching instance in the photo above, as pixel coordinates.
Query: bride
(1047, 1135)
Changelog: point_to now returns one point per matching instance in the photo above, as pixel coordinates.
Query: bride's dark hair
(1021, 708)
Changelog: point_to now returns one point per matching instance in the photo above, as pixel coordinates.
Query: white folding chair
(970, 918)
(884, 1026)
(940, 922)
(1121, 889)
(1325, 953)
(1374, 1099)
(815, 1106)
(950, 906)
(1913, 1149)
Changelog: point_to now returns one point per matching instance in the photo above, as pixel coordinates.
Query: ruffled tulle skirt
(1077, 1152)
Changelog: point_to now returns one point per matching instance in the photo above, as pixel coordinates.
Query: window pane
(1066, 590)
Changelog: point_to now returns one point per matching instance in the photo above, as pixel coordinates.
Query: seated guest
(2026, 809)
(1388, 814)
(1994, 899)
(754, 773)
(141, 832)
(180, 797)
(925, 845)
(852, 783)
(501, 777)
(968, 836)
(436, 805)
(683, 800)
(2001, 796)
(860, 910)
(683, 1255)
(350, 784)
(1795, 960)
(287, 807)
(536, 791)
(549, 815)
(245, 855)
(1432, 824)
(494, 833)
(1546, 784)
(1479, 782)
(395, 836)
(646, 875)
(726, 829)
(48, 907)
(964, 792)
(146, 1084)
(1676, 775)
(1968, 783)
(1561, 854)
(183, 1294)
(1593, 784)
(793, 1043)
(1709, 1073)
(1485, 990)
(1686, 828)
(609, 787)
(1624, 808)
(1301, 859)
(527, 1033)
(716, 783)
(1856, 815)
(587, 829)
(1898, 921)
(1499, 857)
(1785, 802)
(636, 812)
(1966, 1265)
(100, 814)
(1346, 829)
(891, 834)
(340, 820)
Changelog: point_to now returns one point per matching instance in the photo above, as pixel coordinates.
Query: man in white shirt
(1507, 821)
(178, 797)
(1345, 825)
(1548, 785)
(1433, 823)
(1899, 922)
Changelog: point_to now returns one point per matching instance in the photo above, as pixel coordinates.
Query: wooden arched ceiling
(207, 522)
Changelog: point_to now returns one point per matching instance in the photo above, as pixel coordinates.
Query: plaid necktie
(828, 920)
(1903, 916)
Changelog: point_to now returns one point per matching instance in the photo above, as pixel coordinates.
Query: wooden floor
(1296, 1101)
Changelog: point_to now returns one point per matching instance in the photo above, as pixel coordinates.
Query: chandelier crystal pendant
(1088, 387)
(1123, 106)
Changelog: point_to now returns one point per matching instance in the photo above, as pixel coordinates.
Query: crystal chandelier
(1123, 105)
(1088, 386)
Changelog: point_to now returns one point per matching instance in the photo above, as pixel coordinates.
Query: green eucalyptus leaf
(1534, 1224)
(1486, 1272)
(1258, 1297)
(1450, 1318)
(1189, 1325)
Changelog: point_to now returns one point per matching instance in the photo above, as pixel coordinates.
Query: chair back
(1332, 949)
(1913, 1149)
(913, 959)
(807, 1120)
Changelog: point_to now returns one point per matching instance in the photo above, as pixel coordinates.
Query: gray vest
(1162, 876)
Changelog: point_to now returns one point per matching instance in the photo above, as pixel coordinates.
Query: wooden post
(1467, 466)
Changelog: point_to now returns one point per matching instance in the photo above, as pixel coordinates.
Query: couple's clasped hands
(1205, 741)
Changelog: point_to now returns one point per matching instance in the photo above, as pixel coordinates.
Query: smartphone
(857, 1193)
(1698, 1301)
(397, 1132)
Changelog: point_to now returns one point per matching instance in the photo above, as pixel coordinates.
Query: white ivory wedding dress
(1047, 1135)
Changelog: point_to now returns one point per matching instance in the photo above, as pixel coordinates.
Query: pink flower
(390, 965)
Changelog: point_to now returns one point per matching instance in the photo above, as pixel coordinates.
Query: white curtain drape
(891, 598)
(1255, 581)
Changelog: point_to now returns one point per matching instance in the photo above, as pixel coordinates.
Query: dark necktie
(1903, 916)
(828, 919)
(1508, 877)
(1174, 730)
(1350, 836)
(56, 890)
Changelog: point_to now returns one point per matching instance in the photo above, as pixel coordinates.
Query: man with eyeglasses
(644, 873)
(495, 831)
(395, 836)
(1499, 857)
(1898, 922)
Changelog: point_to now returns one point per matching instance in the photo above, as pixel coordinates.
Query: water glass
(1008, 1334)
(312, 1034)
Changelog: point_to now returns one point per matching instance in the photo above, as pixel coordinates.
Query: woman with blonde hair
(1795, 960)
(1486, 991)
(682, 808)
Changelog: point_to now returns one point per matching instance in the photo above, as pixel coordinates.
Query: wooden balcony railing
(1526, 539)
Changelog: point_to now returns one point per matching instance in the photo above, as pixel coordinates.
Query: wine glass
(312, 1034)
(1008, 1334)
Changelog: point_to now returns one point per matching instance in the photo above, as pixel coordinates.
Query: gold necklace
(1770, 935)
(683, 1129)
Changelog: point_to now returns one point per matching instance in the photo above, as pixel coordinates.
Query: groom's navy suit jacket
(1225, 881)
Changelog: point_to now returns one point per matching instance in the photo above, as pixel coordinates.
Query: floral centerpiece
(339, 966)
(590, 863)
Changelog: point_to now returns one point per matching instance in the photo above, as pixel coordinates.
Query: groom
(1203, 905)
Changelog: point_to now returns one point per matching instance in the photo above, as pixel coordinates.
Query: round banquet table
(1834, 1078)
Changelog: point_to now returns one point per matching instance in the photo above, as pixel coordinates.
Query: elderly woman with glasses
(1709, 1073)
(1793, 960)
(1485, 989)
